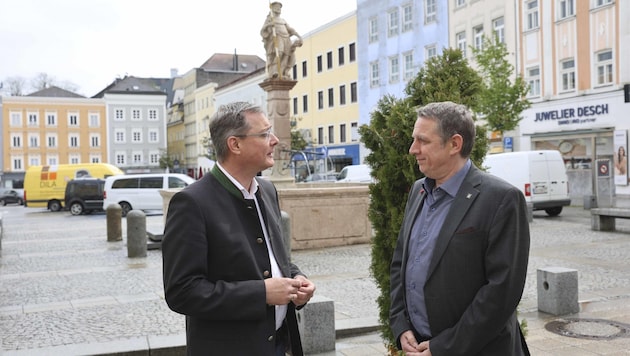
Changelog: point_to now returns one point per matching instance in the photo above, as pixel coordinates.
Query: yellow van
(45, 186)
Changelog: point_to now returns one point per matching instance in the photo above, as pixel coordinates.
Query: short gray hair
(229, 120)
(451, 119)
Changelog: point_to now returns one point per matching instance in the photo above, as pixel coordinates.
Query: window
(95, 140)
(331, 134)
(602, 2)
(119, 136)
(394, 70)
(16, 140)
(353, 92)
(319, 64)
(33, 119)
(304, 70)
(374, 74)
(320, 135)
(329, 60)
(392, 23)
(94, 120)
(95, 158)
(73, 140)
(373, 30)
(73, 119)
(354, 131)
(407, 24)
(34, 160)
(51, 140)
(498, 28)
(51, 119)
(153, 115)
(604, 67)
(17, 163)
(320, 100)
(566, 8)
(135, 114)
(478, 37)
(153, 135)
(342, 95)
(533, 80)
(16, 119)
(342, 56)
(74, 159)
(119, 114)
(294, 72)
(352, 48)
(342, 133)
(460, 3)
(52, 160)
(120, 158)
(567, 73)
(460, 38)
(430, 11)
(331, 97)
(154, 158)
(304, 103)
(295, 104)
(136, 135)
(531, 12)
(408, 65)
(33, 140)
(431, 51)
(145, 183)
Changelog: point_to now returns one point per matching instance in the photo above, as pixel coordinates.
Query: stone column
(279, 112)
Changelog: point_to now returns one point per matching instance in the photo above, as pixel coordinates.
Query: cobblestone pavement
(65, 290)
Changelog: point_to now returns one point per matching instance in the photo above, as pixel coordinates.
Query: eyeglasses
(266, 135)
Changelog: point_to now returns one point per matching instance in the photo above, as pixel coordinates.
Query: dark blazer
(215, 262)
(477, 272)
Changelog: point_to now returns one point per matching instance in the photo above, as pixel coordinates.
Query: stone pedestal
(558, 290)
(317, 325)
(279, 113)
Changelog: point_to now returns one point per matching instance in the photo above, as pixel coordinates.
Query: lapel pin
(468, 196)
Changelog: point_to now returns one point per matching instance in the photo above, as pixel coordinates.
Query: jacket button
(266, 274)
(270, 338)
(259, 240)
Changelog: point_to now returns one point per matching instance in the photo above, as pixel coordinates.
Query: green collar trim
(225, 182)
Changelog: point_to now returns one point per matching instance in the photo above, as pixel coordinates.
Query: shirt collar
(246, 194)
(451, 186)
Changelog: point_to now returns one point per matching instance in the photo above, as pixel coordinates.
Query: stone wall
(324, 216)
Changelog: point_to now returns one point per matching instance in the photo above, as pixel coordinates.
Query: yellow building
(50, 127)
(324, 101)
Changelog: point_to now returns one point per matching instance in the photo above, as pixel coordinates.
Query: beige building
(324, 101)
(50, 127)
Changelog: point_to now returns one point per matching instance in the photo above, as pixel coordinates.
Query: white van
(540, 175)
(141, 191)
(360, 173)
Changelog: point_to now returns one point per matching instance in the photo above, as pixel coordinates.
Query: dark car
(10, 197)
(84, 195)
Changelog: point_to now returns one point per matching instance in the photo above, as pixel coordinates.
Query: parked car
(10, 197)
(84, 195)
(360, 173)
(141, 191)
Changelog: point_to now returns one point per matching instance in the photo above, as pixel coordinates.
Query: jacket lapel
(464, 199)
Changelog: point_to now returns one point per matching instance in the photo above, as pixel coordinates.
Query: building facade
(325, 101)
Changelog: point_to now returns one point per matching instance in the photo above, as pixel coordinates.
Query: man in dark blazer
(225, 264)
(459, 267)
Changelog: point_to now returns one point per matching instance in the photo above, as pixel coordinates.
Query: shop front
(591, 134)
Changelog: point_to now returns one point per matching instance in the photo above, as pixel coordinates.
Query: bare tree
(42, 81)
(14, 86)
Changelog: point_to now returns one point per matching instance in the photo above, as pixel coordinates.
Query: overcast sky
(92, 42)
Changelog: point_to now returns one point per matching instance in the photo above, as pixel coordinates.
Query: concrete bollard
(136, 234)
(114, 222)
(557, 290)
(285, 226)
(316, 322)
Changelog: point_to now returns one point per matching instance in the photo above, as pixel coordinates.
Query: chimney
(235, 61)
(173, 72)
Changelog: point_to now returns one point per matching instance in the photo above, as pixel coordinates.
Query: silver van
(141, 191)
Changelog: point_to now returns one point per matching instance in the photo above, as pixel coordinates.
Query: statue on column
(279, 47)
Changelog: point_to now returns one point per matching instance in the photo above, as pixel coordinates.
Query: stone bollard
(114, 222)
(316, 322)
(285, 226)
(557, 290)
(136, 234)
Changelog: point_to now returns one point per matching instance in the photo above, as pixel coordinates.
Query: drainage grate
(588, 328)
